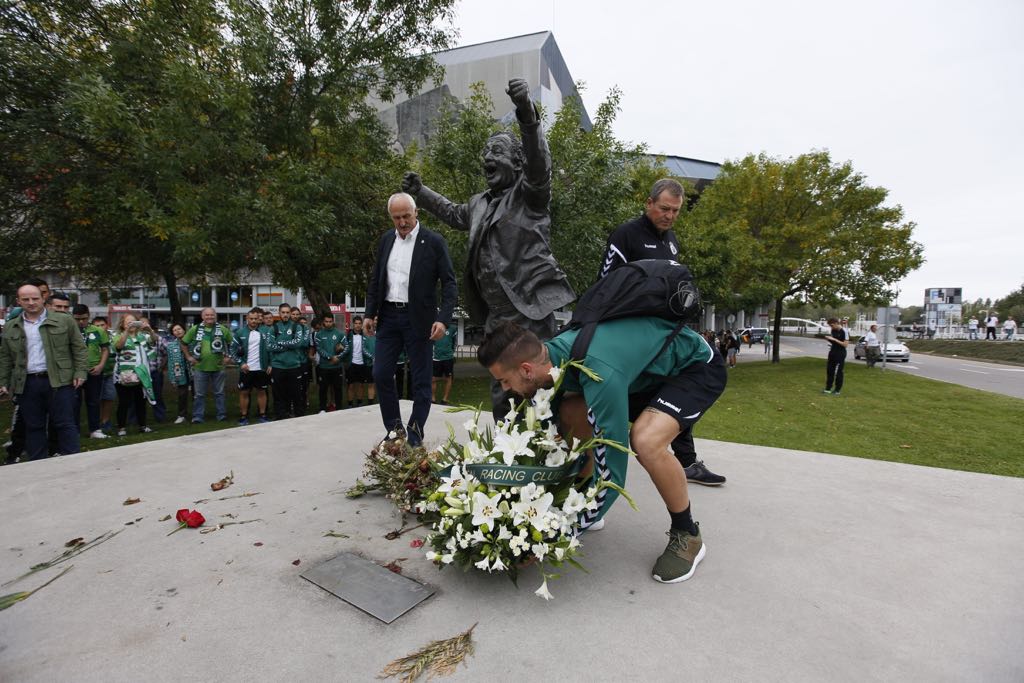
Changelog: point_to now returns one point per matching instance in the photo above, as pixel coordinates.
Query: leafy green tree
(598, 182)
(136, 158)
(913, 314)
(771, 228)
(329, 168)
(161, 140)
(1012, 305)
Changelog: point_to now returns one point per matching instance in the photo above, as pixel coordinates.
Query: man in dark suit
(511, 274)
(402, 309)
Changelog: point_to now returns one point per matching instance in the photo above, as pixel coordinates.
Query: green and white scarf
(132, 366)
(216, 344)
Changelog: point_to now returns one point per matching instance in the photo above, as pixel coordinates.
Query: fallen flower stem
(13, 598)
(335, 534)
(241, 495)
(66, 555)
(392, 535)
(210, 530)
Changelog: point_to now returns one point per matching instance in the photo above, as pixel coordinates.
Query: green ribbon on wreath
(496, 474)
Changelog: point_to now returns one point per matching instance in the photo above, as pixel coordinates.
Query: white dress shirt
(34, 343)
(399, 265)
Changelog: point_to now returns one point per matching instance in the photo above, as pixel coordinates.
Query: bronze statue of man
(511, 274)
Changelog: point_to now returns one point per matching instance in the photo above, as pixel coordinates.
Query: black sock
(683, 521)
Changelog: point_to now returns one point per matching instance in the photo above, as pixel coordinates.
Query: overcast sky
(927, 103)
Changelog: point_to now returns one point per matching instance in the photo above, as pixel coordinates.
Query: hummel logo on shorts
(668, 405)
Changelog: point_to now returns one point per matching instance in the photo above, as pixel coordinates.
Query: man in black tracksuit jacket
(651, 237)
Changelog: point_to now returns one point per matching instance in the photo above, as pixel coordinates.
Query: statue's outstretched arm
(454, 215)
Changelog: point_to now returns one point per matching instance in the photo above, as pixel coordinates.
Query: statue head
(503, 158)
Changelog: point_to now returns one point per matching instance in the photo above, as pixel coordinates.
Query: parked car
(892, 351)
(756, 334)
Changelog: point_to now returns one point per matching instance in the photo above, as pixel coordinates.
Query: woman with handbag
(133, 342)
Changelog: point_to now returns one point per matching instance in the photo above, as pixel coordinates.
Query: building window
(198, 297)
(269, 296)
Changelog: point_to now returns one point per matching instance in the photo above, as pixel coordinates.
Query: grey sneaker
(698, 473)
(681, 557)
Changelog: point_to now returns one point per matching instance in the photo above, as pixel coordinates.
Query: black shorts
(254, 379)
(359, 374)
(687, 396)
(444, 368)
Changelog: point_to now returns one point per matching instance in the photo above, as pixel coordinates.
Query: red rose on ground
(417, 543)
(194, 519)
(188, 518)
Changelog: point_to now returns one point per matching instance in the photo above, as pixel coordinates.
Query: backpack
(650, 288)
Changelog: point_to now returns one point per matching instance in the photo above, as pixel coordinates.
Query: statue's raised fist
(411, 183)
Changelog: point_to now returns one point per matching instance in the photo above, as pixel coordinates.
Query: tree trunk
(317, 299)
(171, 282)
(777, 330)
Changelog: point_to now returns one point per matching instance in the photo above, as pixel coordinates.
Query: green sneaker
(681, 557)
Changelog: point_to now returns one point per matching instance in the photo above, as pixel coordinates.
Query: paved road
(999, 379)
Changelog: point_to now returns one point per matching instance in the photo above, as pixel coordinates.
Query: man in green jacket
(43, 362)
(288, 345)
(250, 350)
(661, 392)
(205, 346)
(331, 347)
(97, 343)
(444, 363)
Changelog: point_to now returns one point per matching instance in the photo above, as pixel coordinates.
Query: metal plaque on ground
(372, 588)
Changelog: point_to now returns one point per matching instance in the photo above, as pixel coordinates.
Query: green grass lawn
(880, 415)
(999, 351)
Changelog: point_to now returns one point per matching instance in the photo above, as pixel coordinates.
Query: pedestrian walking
(837, 343)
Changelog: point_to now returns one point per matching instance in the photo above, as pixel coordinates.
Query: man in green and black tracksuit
(250, 350)
(444, 363)
(650, 236)
(288, 344)
(661, 393)
(331, 348)
(97, 343)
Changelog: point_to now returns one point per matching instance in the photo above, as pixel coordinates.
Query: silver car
(893, 351)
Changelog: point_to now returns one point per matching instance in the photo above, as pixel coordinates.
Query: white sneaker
(146, 430)
(98, 434)
(122, 432)
(179, 421)
(596, 526)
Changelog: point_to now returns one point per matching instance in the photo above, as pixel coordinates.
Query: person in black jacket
(402, 309)
(650, 236)
(837, 343)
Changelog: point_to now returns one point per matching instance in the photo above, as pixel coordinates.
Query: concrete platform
(819, 568)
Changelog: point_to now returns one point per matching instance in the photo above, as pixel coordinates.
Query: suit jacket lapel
(388, 244)
(417, 249)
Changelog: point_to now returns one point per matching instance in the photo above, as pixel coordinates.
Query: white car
(892, 351)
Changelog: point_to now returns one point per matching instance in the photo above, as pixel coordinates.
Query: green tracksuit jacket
(624, 354)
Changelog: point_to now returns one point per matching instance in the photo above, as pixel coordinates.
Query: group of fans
(282, 354)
